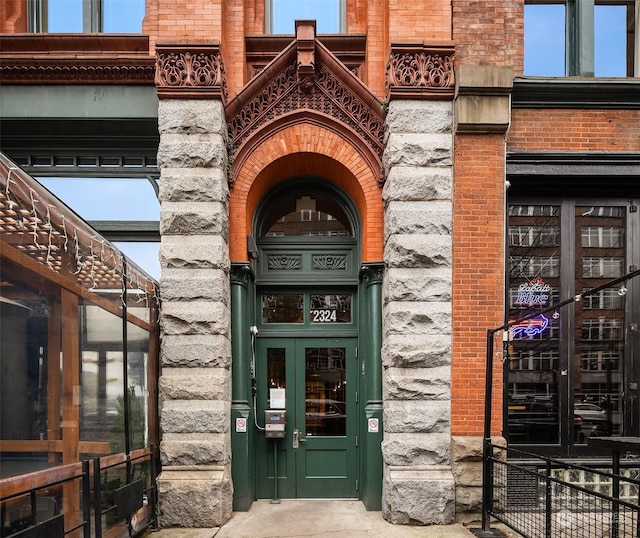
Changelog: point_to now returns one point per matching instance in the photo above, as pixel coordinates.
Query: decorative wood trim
(190, 72)
(421, 71)
(290, 91)
(75, 59)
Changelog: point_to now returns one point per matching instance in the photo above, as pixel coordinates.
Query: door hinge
(356, 352)
(356, 396)
(357, 485)
(356, 440)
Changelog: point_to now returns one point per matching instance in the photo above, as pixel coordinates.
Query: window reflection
(328, 15)
(325, 391)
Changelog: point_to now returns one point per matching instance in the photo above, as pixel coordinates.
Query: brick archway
(306, 149)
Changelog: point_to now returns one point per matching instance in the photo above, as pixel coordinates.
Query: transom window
(584, 38)
(330, 15)
(86, 16)
(306, 216)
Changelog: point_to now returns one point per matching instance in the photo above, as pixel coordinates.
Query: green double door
(315, 380)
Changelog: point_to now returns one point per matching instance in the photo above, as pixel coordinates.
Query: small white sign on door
(374, 425)
(277, 398)
(241, 425)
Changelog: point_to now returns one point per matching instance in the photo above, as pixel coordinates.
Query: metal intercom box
(275, 423)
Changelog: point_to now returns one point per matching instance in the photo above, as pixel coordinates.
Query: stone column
(195, 487)
(418, 484)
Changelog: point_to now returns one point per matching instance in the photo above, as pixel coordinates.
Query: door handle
(297, 439)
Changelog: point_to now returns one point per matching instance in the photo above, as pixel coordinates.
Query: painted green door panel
(319, 376)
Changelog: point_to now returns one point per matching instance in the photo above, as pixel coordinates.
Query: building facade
(350, 198)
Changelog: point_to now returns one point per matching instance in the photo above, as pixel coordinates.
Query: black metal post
(97, 501)
(487, 487)
(86, 499)
(548, 491)
(615, 516)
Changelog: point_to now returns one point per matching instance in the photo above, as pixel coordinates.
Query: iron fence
(112, 495)
(542, 497)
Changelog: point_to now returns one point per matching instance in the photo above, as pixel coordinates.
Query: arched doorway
(306, 295)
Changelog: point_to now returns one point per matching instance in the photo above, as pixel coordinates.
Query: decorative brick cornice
(190, 72)
(75, 59)
(421, 71)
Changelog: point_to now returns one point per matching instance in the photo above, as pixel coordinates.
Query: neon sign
(530, 327)
(533, 293)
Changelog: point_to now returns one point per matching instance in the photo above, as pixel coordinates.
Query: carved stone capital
(420, 71)
(190, 72)
(241, 274)
(372, 273)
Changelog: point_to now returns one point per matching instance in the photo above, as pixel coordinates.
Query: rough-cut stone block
(429, 218)
(195, 384)
(195, 317)
(195, 350)
(195, 498)
(192, 151)
(418, 251)
(415, 116)
(191, 116)
(195, 416)
(194, 185)
(194, 218)
(416, 448)
(417, 284)
(418, 496)
(195, 284)
(409, 149)
(407, 183)
(417, 416)
(416, 383)
(416, 350)
(411, 318)
(195, 449)
(194, 252)
(466, 448)
(468, 473)
(468, 503)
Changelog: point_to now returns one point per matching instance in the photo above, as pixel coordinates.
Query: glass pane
(330, 308)
(284, 13)
(325, 391)
(120, 198)
(544, 40)
(599, 320)
(137, 370)
(29, 375)
(276, 372)
(143, 253)
(306, 216)
(610, 41)
(102, 391)
(123, 16)
(533, 353)
(280, 308)
(64, 16)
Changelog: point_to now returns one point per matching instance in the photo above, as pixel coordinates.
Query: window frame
(92, 16)
(580, 35)
(268, 18)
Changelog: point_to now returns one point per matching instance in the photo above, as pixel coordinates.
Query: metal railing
(542, 497)
(112, 495)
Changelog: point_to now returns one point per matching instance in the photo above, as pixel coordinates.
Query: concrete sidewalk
(313, 518)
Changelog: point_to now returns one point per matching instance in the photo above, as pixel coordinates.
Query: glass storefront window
(578, 350)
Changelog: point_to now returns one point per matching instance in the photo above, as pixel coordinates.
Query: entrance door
(317, 458)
